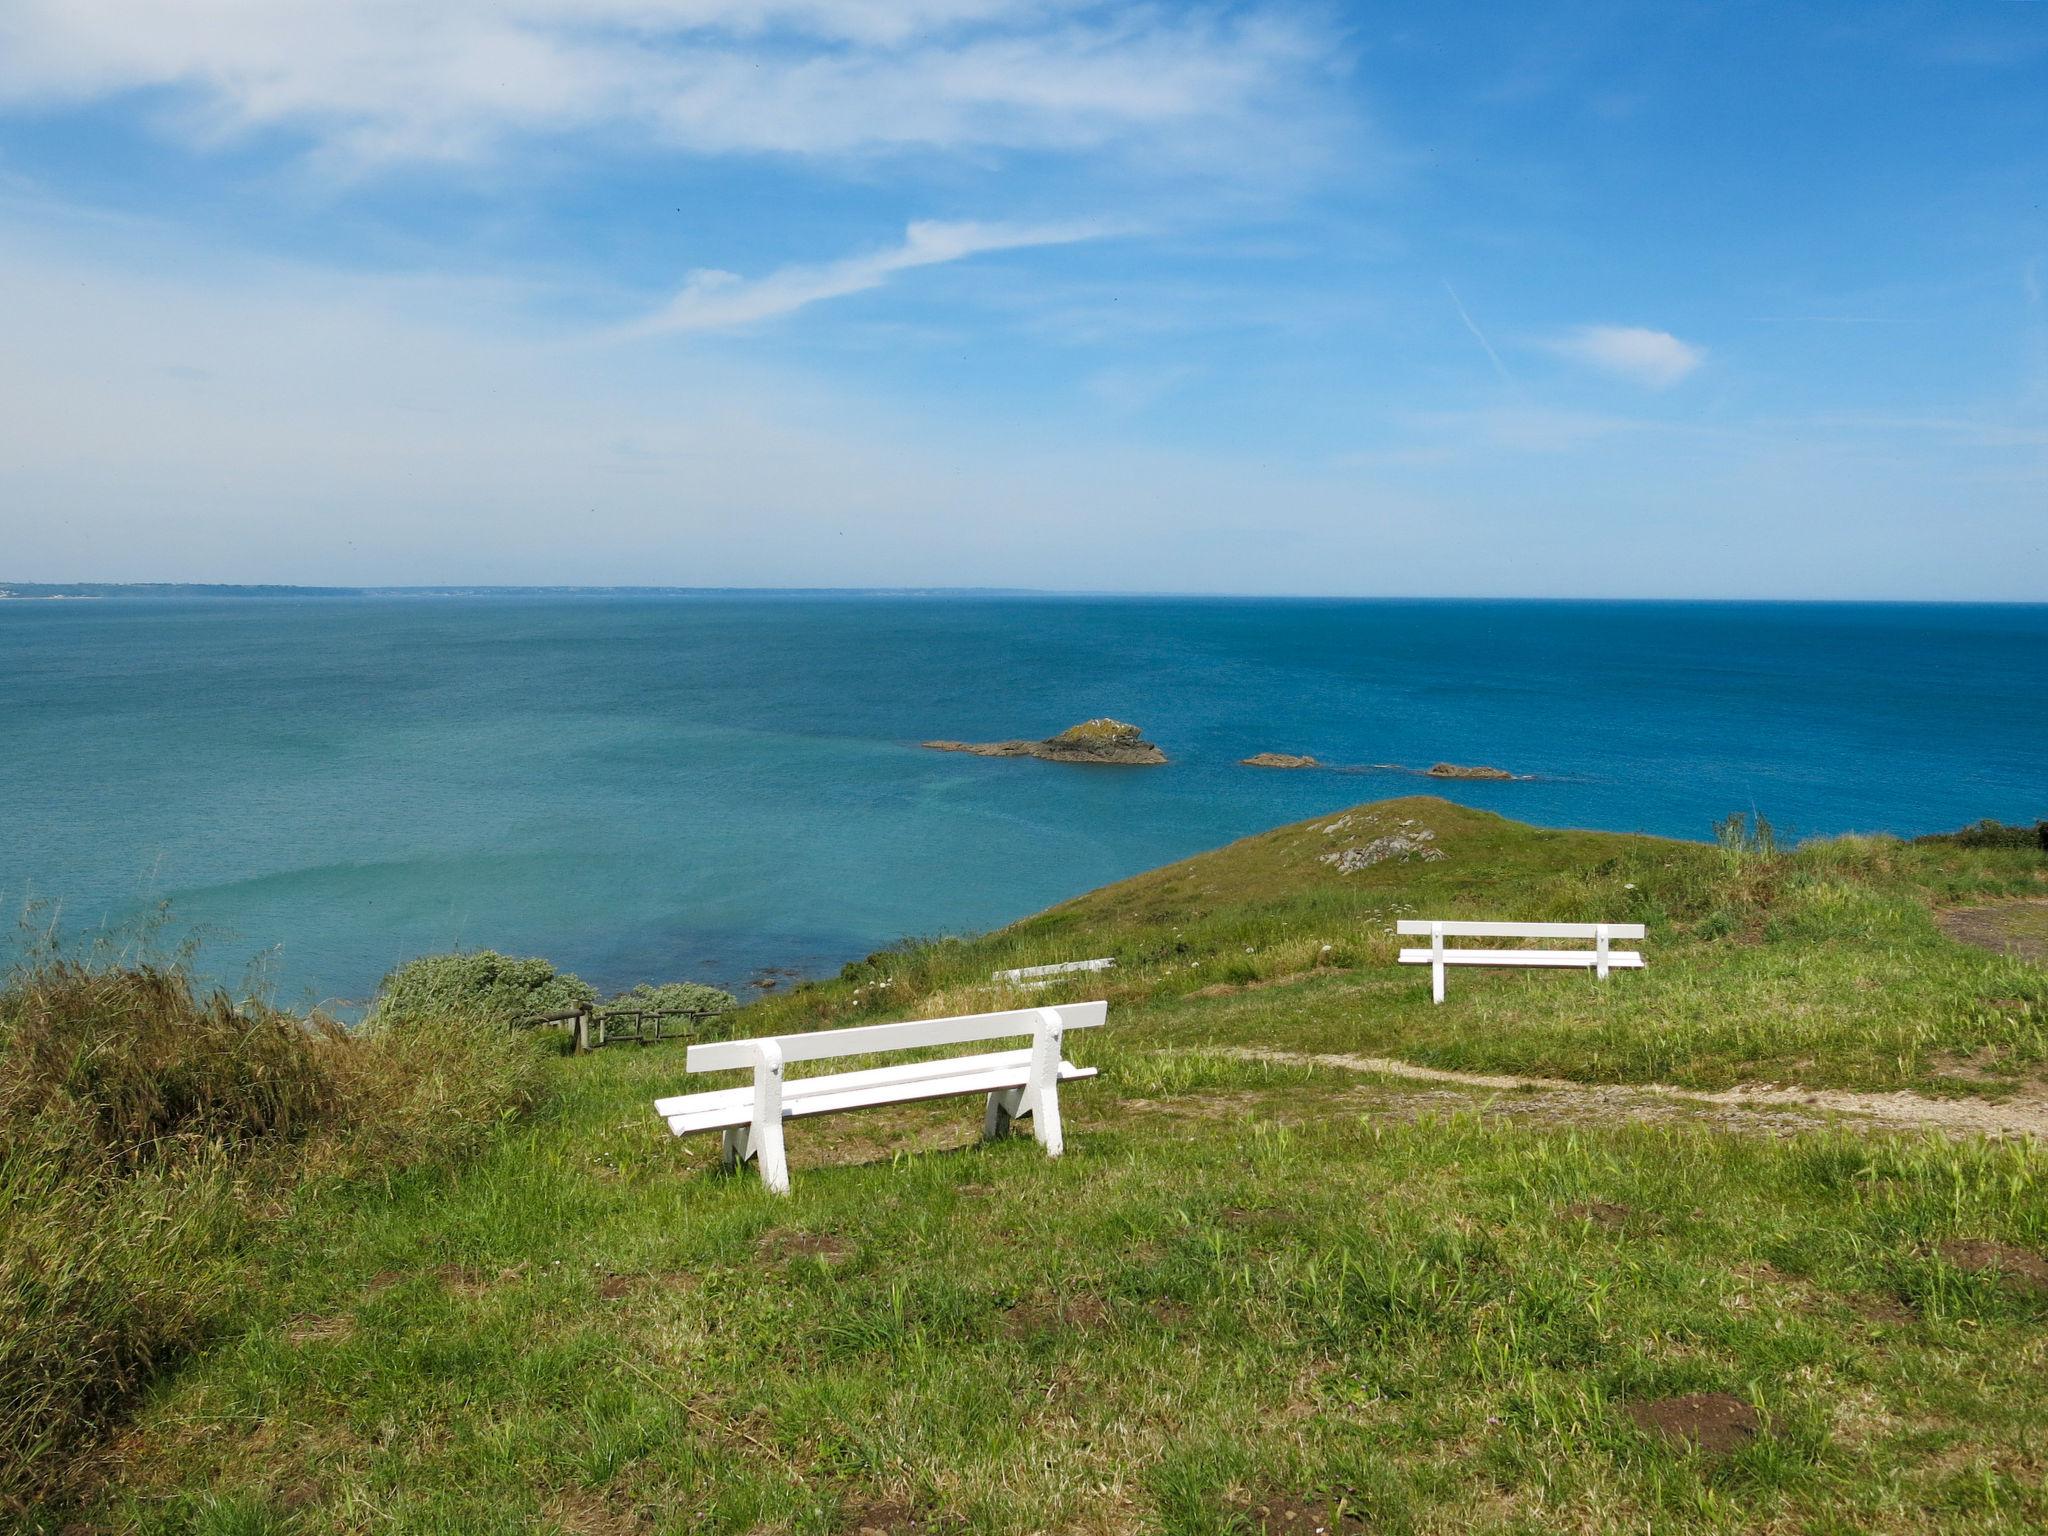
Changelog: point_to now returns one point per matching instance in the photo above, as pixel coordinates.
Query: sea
(300, 793)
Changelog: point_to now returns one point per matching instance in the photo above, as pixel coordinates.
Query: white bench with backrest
(1601, 958)
(1018, 1083)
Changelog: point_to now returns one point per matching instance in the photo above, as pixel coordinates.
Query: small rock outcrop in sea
(1459, 771)
(1092, 741)
(1279, 760)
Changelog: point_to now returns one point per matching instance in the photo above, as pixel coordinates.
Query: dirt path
(2018, 928)
(2020, 1116)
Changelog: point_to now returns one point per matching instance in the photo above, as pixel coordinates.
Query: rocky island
(1458, 771)
(1092, 741)
(1279, 760)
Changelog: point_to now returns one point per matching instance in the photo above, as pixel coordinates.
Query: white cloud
(373, 82)
(1654, 359)
(712, 300)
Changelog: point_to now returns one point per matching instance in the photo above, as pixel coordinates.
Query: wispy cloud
(376, 82)
(1479, 336)
(1654, 359)
(713, 300)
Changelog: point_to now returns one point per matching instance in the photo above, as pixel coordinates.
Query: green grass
(1247, 1283)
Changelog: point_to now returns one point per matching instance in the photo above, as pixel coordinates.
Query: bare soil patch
(1978, 1256)
(1171, 1315)
(2018, 928)
(1888, 1311)
(893, 1517)
(318, 1330)
(1037, 1315)
(382, 1281)
(616, 1287)
(1602, 1213)
(582, 1512)
(1713, 1421)
(782, 1247)
(1287, 1514)
(1261, 983)
(462, 1280)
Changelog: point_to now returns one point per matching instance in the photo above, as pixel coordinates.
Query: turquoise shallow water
(646, 787)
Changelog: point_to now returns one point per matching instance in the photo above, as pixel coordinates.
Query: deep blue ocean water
(655, 787)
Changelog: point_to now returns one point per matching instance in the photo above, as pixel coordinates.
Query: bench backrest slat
(1471, 930)
(863, 1039)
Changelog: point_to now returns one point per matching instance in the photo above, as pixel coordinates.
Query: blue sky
(1664, 299)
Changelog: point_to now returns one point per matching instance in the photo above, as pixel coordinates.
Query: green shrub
(147, 1130)
(479, 983)
(136, 1064)
(1991, 834)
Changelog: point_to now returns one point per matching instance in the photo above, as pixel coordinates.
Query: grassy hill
(1272, 1285)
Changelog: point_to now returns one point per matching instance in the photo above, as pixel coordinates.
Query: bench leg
(1042, 1095)
(737, 1148)
(767, 1141)
(765, 1134)
(1003, 1108)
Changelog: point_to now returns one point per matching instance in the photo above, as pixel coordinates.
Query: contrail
(1479, 336)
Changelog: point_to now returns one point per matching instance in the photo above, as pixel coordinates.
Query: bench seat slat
(851, 1090)
(866, 1039)
(830, 1082)
(1619, 959)
(1465, 929)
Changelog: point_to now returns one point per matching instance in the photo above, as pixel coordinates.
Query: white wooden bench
(1018, 1083)
(1601, 958)
(1029, 976)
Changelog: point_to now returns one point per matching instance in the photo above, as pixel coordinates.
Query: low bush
(149, 1129)
(479, 983)
(1991, 834)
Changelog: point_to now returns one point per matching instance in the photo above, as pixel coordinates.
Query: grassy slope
(1245, 1281)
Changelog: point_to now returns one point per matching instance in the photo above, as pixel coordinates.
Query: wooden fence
(592, 1028)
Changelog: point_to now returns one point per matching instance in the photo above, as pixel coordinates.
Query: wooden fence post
(581, 1033)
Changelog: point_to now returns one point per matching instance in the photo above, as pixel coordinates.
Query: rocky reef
(1459, 771)
(1092, 741)
(1279, 760)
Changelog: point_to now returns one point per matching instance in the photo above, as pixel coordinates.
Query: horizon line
(81, 590)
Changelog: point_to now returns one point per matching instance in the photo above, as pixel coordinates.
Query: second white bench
(1018, 1083)
(1601, 958)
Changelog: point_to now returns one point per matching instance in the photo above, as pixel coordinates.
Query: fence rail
(592, 1028)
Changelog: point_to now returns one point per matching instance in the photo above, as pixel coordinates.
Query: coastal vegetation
(1719, 1245)
(151, 1132)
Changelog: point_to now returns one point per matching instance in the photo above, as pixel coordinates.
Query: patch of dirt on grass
(382, 1281)
(1232, 988)
(1888, 1311)
(1035, 1315)
(318, 1330)
(461, 1280)
(1713, 1421)
(1978, 1256)
(617, 1287)
(585, 1512)
(1602, 1213)
(783, 1247)
(893, 1517)
(1286, 1514)
(1171, 1315)
(2017, 928)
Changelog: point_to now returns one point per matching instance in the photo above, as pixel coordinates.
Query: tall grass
(147, 1132)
